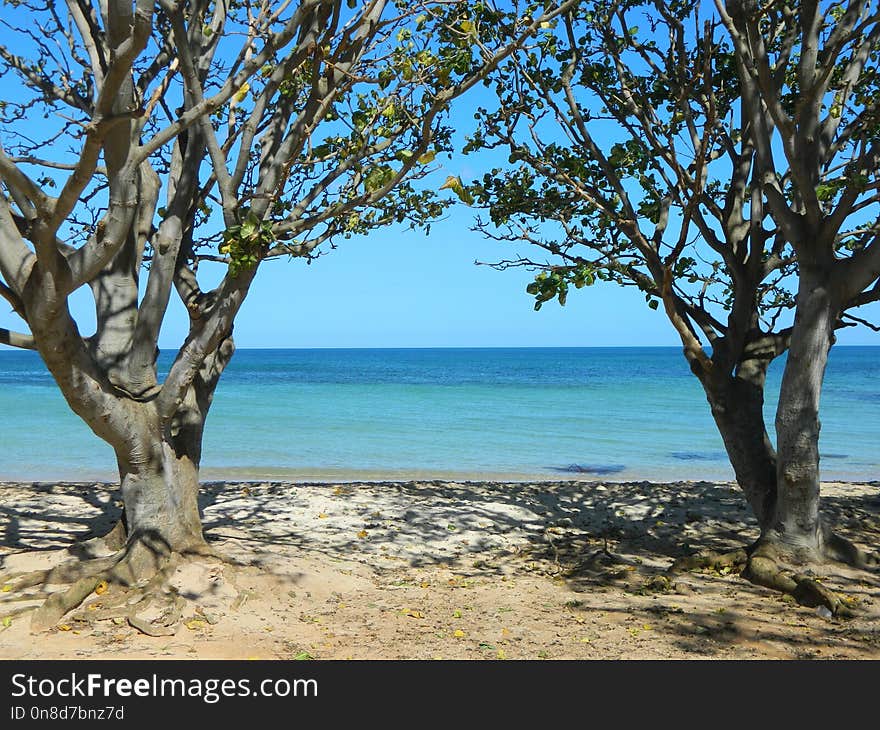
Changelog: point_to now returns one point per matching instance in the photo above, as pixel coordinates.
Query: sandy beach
(452, 570)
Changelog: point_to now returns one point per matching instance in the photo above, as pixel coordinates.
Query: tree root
(128, 582)
(732, 562)
(841, 550)
(766, 567)
(58, 604)
(68, 572)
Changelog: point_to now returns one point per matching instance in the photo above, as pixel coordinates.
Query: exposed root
(58, 604)
(841, 550)
(732, 562)
(766, 567)
(165, 624)
(131, 578)
(68, 572)
(129, 582)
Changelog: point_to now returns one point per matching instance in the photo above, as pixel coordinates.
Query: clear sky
(402, 289)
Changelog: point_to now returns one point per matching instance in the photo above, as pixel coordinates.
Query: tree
(638, 158)
(179, 136)
(808, 74)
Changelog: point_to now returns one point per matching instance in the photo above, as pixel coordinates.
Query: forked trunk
(159, 470)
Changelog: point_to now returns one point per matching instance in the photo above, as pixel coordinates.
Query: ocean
(542, 413)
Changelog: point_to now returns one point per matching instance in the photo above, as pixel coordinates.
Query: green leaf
(454, 183)
(378, 177)
(249, 228)
(427, 158)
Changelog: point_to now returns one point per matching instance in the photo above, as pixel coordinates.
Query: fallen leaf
(64, 627)
(362, 534)
(456, 614)
(101, 588)
(502, 654)
(424, 584)
(458, 634)
(303, 656)
(6, 588)
(194, 624)
(647, 627)
(412, 613)
(322, 516)
(7, 622)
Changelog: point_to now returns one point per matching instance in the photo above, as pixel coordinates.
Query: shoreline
(309, 478)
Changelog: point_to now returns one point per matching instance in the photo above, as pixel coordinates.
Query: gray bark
(797, 523)
(737, 406)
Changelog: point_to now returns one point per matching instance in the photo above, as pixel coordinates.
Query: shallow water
(553, 413)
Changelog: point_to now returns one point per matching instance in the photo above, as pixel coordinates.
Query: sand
(464, 570)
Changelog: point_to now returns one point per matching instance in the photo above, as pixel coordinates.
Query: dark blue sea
(616, 413)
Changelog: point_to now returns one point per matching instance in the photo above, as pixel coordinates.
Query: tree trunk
(159, 470)
(797, 525)
(738, 409)
(160, 497)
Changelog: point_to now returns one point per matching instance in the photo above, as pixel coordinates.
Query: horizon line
(7, 348)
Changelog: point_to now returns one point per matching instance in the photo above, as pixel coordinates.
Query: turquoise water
(620, 413)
